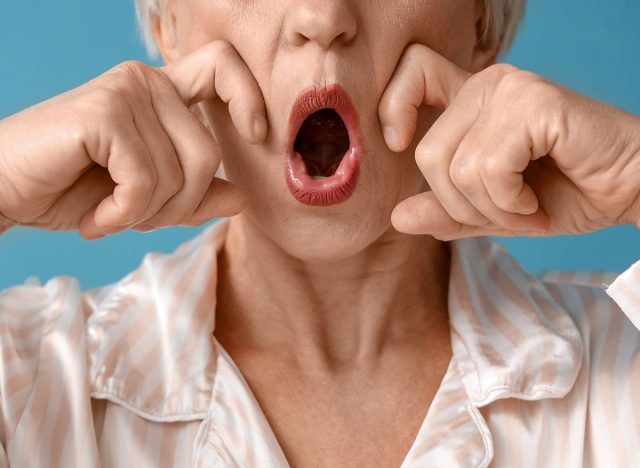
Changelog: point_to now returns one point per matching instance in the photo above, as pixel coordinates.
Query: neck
(391, 293)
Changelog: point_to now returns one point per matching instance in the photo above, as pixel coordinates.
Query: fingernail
(391, 138)
(95, 237)
(260, 128)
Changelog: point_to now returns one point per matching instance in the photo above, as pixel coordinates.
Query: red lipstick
(318, 171)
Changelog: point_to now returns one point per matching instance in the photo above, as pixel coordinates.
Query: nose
(325, 22)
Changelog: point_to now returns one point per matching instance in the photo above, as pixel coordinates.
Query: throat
(333, 313)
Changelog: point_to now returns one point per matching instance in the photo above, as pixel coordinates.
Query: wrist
(632, 214)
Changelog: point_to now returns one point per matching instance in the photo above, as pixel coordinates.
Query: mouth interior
(322, 142)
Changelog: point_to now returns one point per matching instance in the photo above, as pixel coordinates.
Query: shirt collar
(150, 336)
(510, 337)
(151, 347)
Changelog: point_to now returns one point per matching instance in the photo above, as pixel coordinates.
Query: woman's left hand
(512, 153)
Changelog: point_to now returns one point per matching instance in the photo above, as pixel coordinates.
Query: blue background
(49, 46)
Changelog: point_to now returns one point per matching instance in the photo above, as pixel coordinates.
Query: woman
(306, 330)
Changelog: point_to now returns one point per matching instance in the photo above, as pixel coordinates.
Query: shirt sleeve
(625, 291)
(45, 403)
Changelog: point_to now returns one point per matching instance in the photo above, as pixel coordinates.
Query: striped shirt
(545, 371)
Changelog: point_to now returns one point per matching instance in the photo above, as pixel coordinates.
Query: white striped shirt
(545, 371)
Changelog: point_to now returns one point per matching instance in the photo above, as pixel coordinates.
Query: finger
(217, 71)
(222, 199)
(457, 205)
(464, 171)
(435, 153)
(170, 177)
(502, 172)
(422, 77)
(423, 214)
(132, 170)
(197, 152)
(86, 193)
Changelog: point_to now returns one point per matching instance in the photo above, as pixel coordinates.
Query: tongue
(321, 158)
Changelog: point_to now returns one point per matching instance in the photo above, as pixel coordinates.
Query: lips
(323, 151)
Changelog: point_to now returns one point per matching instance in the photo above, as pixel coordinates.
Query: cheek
(199, 22)
(446, 26)
(385, 29)
(451, 28)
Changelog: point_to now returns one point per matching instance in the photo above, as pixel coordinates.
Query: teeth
(316, 177)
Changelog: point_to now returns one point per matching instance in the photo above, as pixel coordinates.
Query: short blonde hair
(501, 21)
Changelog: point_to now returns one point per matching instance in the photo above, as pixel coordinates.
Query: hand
(512, 153)
(124, 150)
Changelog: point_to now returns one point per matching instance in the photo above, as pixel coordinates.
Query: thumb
(424, 214)
(422, 77)
(222, 199)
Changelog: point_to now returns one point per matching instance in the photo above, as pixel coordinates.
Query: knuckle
(160, 81)
(511, 84)
(519, 85)
(220, 50)
(544, 92)
(107, 103)
(425, 159)
(427, 154)
(491, 167)
(133, 68)
(462, 174)
(502, 69)
(492, 74)
(132, 79)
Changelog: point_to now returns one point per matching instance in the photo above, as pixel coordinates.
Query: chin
(329, 237)
(318, 190)
(326, 233)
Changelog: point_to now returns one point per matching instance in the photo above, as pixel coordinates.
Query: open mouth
(324, 151)
(322, 142)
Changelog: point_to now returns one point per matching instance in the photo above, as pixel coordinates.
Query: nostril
(324, 22)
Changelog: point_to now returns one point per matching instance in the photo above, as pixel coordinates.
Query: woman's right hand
(124, 150)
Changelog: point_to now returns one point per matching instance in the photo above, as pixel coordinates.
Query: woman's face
(292, 46)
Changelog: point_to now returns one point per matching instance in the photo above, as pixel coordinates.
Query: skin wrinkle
(338, 323)
(330, 297)
(326, 317)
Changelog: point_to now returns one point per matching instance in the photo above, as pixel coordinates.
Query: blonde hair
(501, 21)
